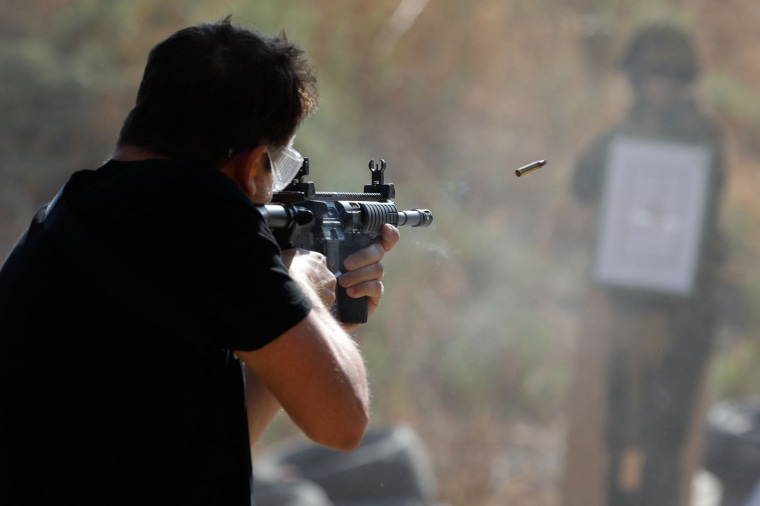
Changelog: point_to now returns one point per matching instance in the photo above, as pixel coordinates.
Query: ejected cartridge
(530, 167)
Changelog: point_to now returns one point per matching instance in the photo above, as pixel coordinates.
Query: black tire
(732, 447)
(288, 492)
(390, 467)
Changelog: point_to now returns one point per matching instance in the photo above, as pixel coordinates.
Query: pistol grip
(350, 309)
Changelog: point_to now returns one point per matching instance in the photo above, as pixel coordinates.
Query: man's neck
(132, 153)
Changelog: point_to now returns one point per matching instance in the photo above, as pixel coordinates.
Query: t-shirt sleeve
(260, 301)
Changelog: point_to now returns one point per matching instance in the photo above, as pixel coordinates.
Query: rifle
(338, 224)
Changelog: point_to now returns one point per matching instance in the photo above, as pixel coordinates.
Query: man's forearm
(344, 347)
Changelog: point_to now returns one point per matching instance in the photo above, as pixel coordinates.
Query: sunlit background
(475, 344)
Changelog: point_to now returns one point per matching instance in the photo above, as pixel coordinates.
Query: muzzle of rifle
(415, 218)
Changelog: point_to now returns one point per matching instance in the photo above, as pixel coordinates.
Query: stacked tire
(391, 467)
(732, 448)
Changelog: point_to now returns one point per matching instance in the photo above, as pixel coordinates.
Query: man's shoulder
(127, 186)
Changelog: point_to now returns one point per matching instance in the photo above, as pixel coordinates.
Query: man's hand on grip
(364, 270)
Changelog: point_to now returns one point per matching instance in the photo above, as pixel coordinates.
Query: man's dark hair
(216, 88)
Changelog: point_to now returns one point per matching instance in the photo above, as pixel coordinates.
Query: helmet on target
(661, 50)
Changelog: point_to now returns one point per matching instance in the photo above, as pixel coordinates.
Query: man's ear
(242, 168)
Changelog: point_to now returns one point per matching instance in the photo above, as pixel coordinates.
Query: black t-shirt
(105, 396)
